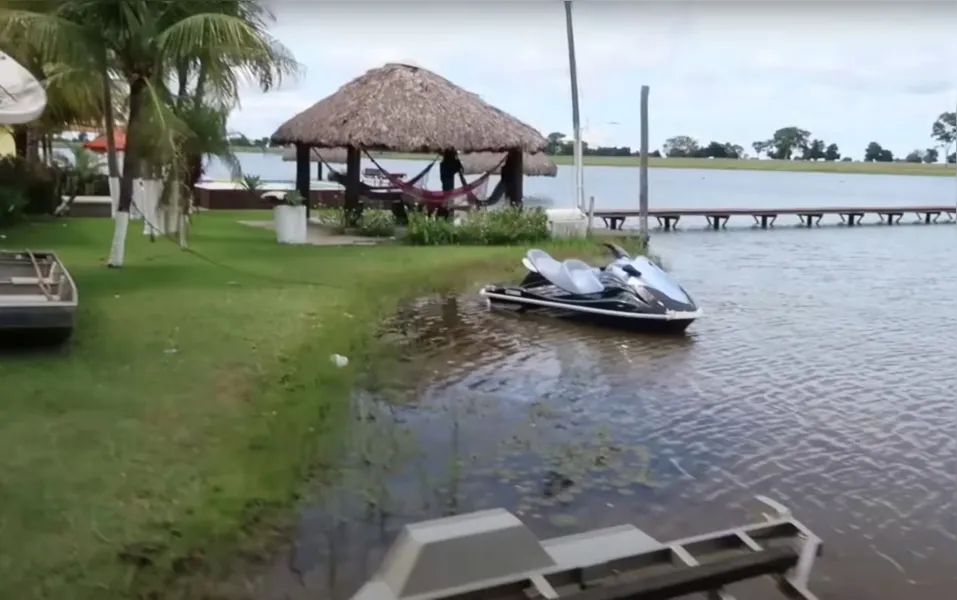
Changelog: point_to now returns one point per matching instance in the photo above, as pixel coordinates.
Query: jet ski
(629, 293)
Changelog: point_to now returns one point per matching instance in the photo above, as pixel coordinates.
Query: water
(617, 187)
(822, 375)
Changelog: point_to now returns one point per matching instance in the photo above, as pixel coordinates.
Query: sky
(850, 72)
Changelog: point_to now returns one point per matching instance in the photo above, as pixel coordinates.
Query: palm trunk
(130, 171)
(33, 146)
(110, 125)
(19, 133)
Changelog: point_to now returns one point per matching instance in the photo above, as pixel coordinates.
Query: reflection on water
(821, 375)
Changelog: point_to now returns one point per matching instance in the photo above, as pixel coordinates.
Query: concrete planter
(290, 224)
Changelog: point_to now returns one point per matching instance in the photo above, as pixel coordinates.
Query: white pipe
(643, 168)
(591, 212)
(576, 118)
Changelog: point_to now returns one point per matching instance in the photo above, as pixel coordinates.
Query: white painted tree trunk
(121, 223)
(183, 224)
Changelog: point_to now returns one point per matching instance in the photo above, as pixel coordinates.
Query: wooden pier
(718, 218)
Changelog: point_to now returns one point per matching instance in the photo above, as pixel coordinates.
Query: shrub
(37, 184)
(372, 223)
(481, 228)
(376, 223)
(12, 203)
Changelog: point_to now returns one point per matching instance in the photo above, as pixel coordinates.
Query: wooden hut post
(351, 204)
(514, 174)
(318, 169)
(302, 174)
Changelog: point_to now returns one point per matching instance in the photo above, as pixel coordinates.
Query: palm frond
(53, 38)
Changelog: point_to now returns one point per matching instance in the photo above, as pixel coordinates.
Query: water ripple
(822, 375)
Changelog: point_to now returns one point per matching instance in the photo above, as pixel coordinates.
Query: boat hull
(38, 299)
(670, 323)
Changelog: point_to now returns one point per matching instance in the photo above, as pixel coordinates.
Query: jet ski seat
(573, 276)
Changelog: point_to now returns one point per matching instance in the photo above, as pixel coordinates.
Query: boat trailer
(492, 555)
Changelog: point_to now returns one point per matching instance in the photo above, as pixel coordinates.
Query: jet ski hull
(605, 312)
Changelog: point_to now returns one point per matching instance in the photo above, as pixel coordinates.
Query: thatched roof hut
(405, 108)
(533, 165)
(476, 163)
(329, 155)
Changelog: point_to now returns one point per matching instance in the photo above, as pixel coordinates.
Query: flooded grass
(421, 447)
(575, 428)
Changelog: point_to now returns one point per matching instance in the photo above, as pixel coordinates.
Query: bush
(37, 185)
(481, 228)
(376, 223)
(372, 223)
(12, 203)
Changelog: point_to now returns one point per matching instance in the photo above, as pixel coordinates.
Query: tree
(786, 141)
(813, 151)
(203, 47)
(952, 158)
(680, 146)
(931, 155)
(760, 147)
(877, 153)
(944, 129)
(832, 153)
(719, 150)
(556, 140)
(72, 96)
(915, 156)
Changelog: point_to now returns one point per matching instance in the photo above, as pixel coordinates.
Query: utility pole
(576, 119)
(643, 168)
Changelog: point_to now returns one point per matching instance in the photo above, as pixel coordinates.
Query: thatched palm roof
(405, 108)
(476, 163)
(533, 165)
(329, 155)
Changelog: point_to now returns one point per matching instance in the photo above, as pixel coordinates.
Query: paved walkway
(320, 236)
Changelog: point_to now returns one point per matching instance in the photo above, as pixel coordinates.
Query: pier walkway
(718, 218)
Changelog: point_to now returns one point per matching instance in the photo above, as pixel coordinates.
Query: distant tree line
(787, 143)
(245, 142)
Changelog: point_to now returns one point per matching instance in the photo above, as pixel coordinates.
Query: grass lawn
(170, 432)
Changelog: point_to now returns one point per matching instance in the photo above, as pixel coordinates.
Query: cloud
(718, 70)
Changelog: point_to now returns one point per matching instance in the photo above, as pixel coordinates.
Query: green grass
(170, 434)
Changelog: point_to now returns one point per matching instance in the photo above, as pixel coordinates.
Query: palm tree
(203, 48)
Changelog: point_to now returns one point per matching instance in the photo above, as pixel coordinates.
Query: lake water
(822, 375)
(617, 187)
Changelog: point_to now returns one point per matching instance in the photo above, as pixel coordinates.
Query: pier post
(643, 169)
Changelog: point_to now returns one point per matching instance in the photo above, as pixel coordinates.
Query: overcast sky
(850, 72)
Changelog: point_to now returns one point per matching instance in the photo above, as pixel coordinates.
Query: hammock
(365, 188)
(433, 197)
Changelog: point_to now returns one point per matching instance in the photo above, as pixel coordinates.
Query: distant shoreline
(722, 164)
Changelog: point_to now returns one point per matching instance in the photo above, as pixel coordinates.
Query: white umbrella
(22, 98)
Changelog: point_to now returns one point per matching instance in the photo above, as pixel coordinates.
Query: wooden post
(643, 169)
(514, 173)
(318, 169)
(302, 173)
(351, 202)
(591, 214)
